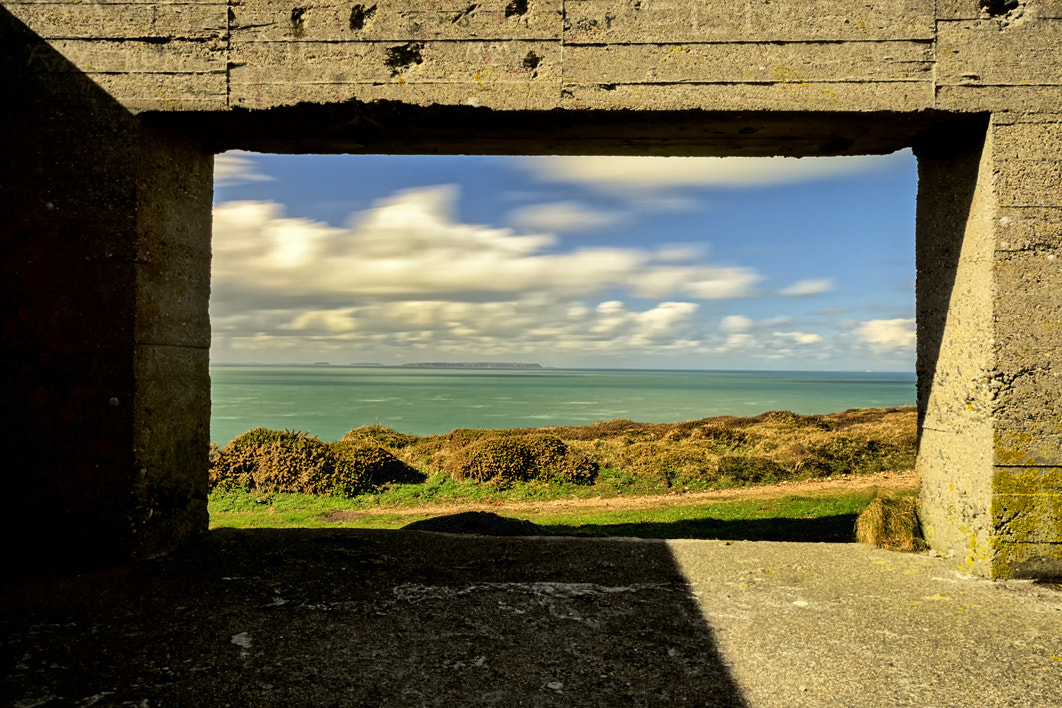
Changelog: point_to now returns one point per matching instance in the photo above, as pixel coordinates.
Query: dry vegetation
(891, 522)
(710, 453)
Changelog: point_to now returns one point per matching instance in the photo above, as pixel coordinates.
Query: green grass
(789, 518)
(238, 508)
(822, 517)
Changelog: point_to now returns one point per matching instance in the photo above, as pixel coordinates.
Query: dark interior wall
(105, 255)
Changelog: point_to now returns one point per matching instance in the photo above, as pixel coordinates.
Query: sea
(328, 401)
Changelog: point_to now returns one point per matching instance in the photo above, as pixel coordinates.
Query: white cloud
(800, 337)
(629, 174)
(817, 286)
(737, 341)
(560, 217)
(466, 328)
(885, 335)
(736, 324)
(409, 246)
(406, 277)
(337, 321)
(724, 283)
(750, 337)
(236, 166)
(679, 252)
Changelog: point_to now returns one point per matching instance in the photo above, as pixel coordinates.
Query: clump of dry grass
(891, 523)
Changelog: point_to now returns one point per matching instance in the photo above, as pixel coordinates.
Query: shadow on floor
(832, 529)
(354, 617)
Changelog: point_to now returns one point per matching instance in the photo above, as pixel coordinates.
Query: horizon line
(520, 366)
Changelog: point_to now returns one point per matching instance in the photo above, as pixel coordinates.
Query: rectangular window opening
(410, 296)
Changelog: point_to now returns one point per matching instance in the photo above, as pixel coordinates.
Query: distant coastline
(469, 365)
(376, 365)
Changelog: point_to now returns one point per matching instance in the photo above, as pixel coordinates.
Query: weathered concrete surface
(105, 226)
(900, 55)
(990, 325)
(117, 107)
(341, 618)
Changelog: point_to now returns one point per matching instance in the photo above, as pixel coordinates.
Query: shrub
(461, 437)
(846, 455)
(498, 459)
(553, 460)
(727, 439)
(382, 436)
(266, 461)
(608, 429)
(361, 465)
(738, 470)
(669, 463)
(273, 461)
(504, 458)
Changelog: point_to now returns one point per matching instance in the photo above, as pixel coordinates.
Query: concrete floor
(408, 618)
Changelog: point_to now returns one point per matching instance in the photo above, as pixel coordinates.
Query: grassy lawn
(823, 516)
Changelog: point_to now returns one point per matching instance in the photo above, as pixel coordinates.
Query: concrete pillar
(104, 385)
(989, 258)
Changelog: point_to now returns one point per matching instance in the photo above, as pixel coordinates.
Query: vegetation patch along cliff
(719, 452)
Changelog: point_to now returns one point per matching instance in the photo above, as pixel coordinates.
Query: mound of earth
(481, 523)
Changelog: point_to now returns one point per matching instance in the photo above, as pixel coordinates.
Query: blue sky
(664, 263)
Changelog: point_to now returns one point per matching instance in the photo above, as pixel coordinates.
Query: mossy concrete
(114, 110)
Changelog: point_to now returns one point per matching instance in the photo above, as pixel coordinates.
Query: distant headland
(377, 365)
(469, 365)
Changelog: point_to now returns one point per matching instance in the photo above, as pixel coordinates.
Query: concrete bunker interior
(106, 196)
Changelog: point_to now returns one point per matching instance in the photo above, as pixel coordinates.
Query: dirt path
(882, 480)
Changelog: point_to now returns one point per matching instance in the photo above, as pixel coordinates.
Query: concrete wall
(120, 104)
(105, 259)
(990, 392)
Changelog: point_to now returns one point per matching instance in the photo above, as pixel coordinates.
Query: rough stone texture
(820, 56)
(117, 106)
(990, 322)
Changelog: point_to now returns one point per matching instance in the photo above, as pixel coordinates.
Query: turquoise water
(329, 401)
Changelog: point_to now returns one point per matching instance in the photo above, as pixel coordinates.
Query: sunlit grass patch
(816, 518)
(826, 516)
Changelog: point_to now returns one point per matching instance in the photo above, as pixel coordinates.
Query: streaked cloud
(561, 217)
(735, 324)
(409, 246)
(235, 167)
(800, 337)
(817, 286)
(414, 276)
(464, 329)
(406, 276)
(627, 174)
(885, 335)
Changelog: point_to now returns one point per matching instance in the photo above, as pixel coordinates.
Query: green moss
(1027, 518)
